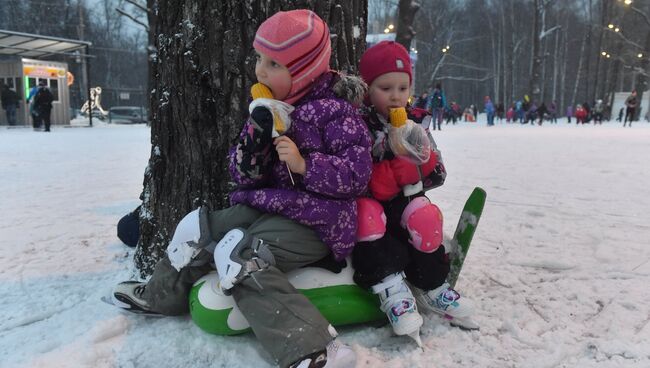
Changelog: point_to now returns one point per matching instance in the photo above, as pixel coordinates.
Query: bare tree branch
(548, 32)
(124, 13)
(451, 77)
(435, 70)
(138, 5)
(642, 14)
(467, 66)
(627, 40)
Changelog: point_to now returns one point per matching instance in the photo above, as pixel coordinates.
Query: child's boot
(447, 302)
(335, 355)
(128, 296)
(400, 306)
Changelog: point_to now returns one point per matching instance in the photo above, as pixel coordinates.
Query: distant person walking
(437, 104)
(43, 105)
(500, 111)
(631, 104)
(569, 113)
(10, 101)
(421, 102)
(489, 111)
(541, 112)
(597, 112)
(581, 115)
(620, 114)
(552, 112)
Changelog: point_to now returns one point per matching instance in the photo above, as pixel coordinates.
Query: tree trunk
(604, 19)
(589, 54)
(580, 67)
(556, 67)
(536, 63)
(201, 68)
(642, 81)
(405, 17)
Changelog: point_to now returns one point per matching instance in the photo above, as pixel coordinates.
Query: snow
(559, 267)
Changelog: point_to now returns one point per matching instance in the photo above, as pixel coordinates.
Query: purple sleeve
(344, 171)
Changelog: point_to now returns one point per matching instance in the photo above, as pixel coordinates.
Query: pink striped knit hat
(299, 40)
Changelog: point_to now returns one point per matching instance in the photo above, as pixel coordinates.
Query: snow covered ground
(559, 268)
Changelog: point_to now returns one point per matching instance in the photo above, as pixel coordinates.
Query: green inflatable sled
(335, 295)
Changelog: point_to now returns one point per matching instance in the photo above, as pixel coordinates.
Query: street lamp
(640, 55)
(386, 30)
(390, 26)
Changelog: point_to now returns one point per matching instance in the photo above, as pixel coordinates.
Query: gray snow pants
(287, 325)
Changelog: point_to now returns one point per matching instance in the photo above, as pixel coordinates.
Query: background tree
(405, 17)
(201, 72)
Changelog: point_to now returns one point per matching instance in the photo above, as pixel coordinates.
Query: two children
(410, 250)
(294, 203)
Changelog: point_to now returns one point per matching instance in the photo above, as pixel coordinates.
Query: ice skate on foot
(400, 306)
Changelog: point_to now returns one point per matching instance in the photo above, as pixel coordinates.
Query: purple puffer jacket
(336, 145)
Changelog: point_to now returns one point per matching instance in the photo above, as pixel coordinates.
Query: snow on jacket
(335, 143)
(390, 173)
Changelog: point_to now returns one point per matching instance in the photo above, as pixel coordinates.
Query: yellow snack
(258, 90)
(397, 117)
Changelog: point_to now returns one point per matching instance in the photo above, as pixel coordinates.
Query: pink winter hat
(299, 40)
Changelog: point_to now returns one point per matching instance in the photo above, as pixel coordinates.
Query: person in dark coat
(10, 102)
(631, 104)
(43, 105)
(541, 111)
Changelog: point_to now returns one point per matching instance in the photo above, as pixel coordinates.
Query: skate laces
(401, 307)
(446, 297)
(139, 290)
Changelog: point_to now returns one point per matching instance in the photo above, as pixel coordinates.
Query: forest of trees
(119, 62)
(548, 49)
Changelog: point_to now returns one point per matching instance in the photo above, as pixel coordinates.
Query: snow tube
(335, 295)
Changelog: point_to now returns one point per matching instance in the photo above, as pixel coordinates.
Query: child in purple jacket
(294, 203)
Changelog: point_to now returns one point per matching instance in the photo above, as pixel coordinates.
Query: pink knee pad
(423, 220)
(371, 220)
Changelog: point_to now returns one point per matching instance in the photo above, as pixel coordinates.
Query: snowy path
(559, 268)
